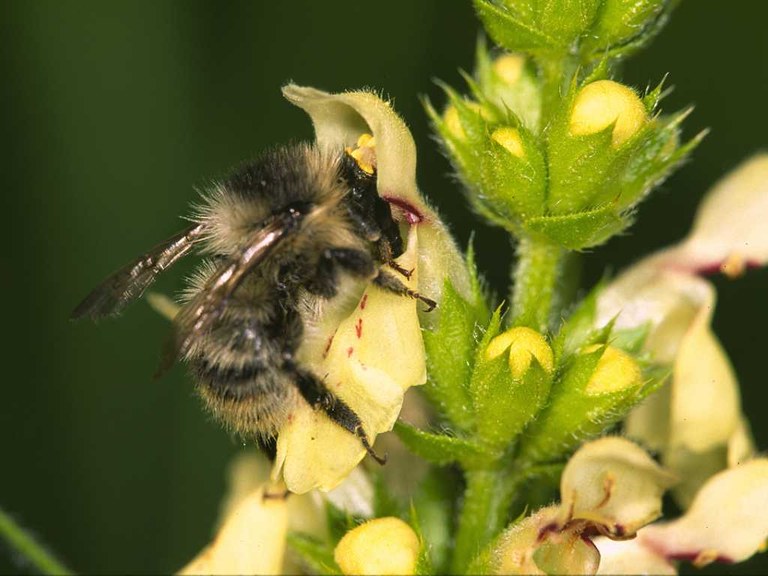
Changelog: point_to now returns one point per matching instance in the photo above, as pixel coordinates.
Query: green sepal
(503, 404)
(514, 188)
(577, 164)
(566, 20)
(423, 560)
(631, 340)
(626, 26)
(578, 329)
(315, 554)
(580, 230)
(595, 184)
(523, 98)
(450, 354)
(511, 30)
(442, 449)
(573, 416)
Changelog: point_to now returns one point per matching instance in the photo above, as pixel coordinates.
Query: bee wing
(199, 314)
(130, 282)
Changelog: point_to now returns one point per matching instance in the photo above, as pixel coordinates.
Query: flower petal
(251, 540)
(630, 557)
(705, 409)
(727, 521)
(375, 355)
(729, 231)
(538, 545)
(339, 120)
(695, 420)
(614, 484)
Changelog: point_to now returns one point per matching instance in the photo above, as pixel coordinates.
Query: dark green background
(113, 112)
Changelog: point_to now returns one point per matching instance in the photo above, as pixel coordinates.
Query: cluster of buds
(587, 28)
(572, 175)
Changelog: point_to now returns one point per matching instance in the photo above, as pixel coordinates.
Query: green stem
(23, 543)
(487, 498)
(536, 282)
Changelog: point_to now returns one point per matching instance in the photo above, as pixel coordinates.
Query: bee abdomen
(252, 399)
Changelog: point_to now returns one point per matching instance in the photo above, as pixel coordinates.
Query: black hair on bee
(279, 235)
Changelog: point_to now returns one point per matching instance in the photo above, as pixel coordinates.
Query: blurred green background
(112, 113)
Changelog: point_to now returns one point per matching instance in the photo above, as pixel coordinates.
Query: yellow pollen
(364, 153)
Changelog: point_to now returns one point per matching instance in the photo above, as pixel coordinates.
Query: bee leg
(324, 282)
(400, 270)
(392, 283)
(318, 396)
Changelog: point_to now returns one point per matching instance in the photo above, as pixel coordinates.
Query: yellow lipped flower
(257, 515)
(696, 423)
(609, 486)
(726, 522)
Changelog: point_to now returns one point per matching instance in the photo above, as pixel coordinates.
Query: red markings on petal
(411, 214)
(363, 301)
(349, 351)
(359, 327)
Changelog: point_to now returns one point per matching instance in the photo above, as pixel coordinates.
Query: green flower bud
(624, 21)
(605, 104)
(501, 163)
(538, 26)
(605, 153)
(509, 83)
(599, 386)
(510, 383)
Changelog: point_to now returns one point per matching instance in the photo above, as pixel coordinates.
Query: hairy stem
(536, 283)
(487, 498)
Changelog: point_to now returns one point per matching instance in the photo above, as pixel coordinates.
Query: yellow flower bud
(510, 139)
(509, 67)
(616, 370)
(524, 344)
(453, 120)
(380, 546)
(453, 123)
(600, 104)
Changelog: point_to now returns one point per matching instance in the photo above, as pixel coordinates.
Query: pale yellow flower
(609, 486)
(696, 423)
(727, 522)
(257, 514)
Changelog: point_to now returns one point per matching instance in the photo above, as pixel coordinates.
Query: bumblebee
(281, 236)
